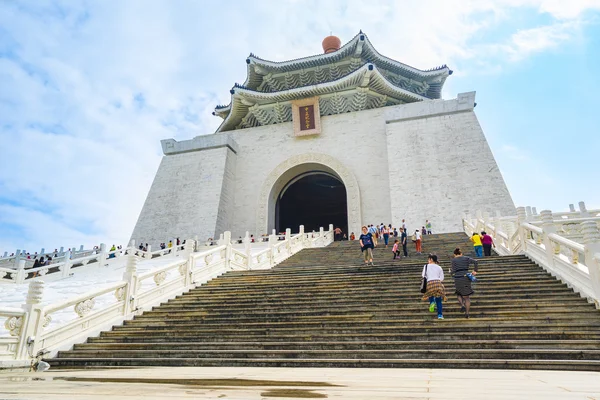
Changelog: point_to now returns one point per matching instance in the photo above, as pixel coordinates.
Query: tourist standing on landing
(436, 293)
(366, 245)
(460, 269)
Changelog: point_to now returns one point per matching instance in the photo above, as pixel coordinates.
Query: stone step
(354, 337)
(327, 328)
(478, 363)
(208, 320)
(564, 298)
(409, 344)
(416, 312)
(389, 353)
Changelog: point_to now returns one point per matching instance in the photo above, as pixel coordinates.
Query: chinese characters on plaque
(306, 117)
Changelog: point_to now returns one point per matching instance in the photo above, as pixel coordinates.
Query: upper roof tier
(270, 82)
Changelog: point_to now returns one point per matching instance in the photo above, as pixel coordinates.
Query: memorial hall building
(348, 137)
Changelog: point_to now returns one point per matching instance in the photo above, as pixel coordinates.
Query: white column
(521, 218)
(103, 255)
(21, 274)
(272, 240)
(248, 250)
(32, 323)
(583, 212)
(591, 241)
(547, 229)
(65, 270)
(131, 277)
(227, 243)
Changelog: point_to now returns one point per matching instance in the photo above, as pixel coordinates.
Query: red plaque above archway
(306, 116)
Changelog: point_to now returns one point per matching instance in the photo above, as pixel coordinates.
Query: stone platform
(294, 383)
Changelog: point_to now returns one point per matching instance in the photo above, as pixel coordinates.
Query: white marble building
(379, 132)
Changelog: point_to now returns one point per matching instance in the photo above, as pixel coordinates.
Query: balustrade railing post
(583, 212)
(591, 242)
(189, 247)
(103, 254)
(21, 274)
(32, 323)
(66, 268)
(17, 258)
(131, 277)
(228, 255)
(248, 250)
(547, 229)
(571, 208)
(521, 218)
(272, 240)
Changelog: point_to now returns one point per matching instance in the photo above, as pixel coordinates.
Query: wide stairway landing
(321, 308)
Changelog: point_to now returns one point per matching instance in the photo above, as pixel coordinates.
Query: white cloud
(82, 152)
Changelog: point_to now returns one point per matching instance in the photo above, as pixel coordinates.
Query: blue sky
(88, 89)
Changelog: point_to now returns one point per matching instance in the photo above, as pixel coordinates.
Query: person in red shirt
(487, 242)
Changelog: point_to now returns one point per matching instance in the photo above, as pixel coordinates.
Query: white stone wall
(441, 168)
(418, 161)
(186, 195)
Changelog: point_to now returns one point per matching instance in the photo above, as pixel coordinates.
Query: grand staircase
(322, 308)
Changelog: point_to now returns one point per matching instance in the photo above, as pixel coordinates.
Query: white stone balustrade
(72, 263)
(541, 238)
(32, 330)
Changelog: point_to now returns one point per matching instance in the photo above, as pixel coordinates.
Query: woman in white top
(436, 293)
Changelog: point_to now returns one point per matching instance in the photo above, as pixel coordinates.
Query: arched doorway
(314, 199)
(295, 166)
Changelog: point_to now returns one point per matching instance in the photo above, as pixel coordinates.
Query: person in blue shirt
(366, 245)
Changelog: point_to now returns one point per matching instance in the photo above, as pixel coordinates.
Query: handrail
(11, 312)
(167, 267)
(532, 228)
(566, 242)
(86, 296)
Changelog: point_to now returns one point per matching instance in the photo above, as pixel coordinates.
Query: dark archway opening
(313, 199)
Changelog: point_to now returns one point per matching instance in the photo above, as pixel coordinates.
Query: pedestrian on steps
(395, 249)
(404, 241)
(436, 293)
(477, 246)
(366, 245)
(487, 242)
(462, 283)
(417, 238)
(386, 235)
(373, 231)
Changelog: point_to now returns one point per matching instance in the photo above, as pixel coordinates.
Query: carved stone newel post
(547, 229)
(591, 241)
(29, 328)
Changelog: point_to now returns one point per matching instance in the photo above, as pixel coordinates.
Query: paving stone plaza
(258, 299)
